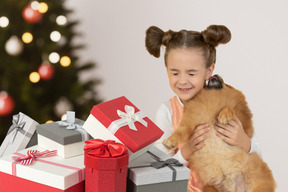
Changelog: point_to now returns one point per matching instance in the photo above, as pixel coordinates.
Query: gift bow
(127, 118)
(130, 117)
(16, 127)
(100, 148)
(32, 155)
(160, 164)
(71, 125)
(168, 162)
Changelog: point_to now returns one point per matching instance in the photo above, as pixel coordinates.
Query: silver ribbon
(71, 125)
(168, 162)
(160, 164)
(17, 126)
(129, 117)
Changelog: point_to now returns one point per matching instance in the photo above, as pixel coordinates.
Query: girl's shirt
(164, 121)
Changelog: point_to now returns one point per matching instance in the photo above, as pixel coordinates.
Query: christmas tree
(39, 68)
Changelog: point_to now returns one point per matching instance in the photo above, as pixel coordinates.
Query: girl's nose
(182, 79)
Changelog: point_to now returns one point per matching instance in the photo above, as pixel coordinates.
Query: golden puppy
(220, 166)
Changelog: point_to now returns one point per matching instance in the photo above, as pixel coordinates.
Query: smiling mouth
(184, 90)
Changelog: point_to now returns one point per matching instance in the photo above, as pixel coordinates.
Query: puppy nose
(215, 82)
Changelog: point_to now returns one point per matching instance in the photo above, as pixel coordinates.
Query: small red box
(105, 172)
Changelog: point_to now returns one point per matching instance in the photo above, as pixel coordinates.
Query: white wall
(255, 61)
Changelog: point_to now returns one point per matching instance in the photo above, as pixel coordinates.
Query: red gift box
(41, 170)
(10, 183)
(136, 131)
(105, 166)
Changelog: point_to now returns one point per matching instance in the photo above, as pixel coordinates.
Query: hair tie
(167, 36)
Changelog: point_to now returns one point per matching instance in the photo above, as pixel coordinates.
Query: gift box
(106, 166)
(9, 183)
(122, 121)
(67, 136)
(19, 134)
(155, 171)
(41, 170)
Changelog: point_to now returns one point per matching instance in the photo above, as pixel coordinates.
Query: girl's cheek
(173, 78)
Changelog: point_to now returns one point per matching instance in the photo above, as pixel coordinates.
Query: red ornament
(46, 71)
(6, 104)
(31, 15)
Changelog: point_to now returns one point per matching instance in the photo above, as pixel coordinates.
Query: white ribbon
(127, 118)
(71, 125)
(68, 125)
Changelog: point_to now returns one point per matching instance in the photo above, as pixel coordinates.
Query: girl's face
(187, 72)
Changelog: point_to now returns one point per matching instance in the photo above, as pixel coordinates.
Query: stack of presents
(112, 151)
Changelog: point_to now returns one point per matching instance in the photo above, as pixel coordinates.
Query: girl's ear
(209, 71)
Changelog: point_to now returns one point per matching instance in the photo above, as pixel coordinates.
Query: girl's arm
(164, 121)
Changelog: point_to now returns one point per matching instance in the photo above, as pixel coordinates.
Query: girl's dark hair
(205, 41)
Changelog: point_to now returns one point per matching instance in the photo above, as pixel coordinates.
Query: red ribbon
(31, 156)
(34, 154)
(100, 148)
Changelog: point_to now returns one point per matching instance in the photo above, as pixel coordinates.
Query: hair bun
(153, 40)
(216, 34)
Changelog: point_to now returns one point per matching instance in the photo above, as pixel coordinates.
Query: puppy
(220, 166)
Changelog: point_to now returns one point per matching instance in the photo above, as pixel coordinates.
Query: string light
(61, 20)
(35, 5)
(27, 37)
(54, 57)
(65, 61)
(55, 36)
(34, 77)
(4, 21)
(43, 7)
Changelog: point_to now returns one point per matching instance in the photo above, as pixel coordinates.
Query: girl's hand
(196, 141)
(233, 134)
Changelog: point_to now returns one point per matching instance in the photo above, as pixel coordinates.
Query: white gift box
(142, 176)
(54, 171)
(64, 151)
(19, 134)
(67, 136)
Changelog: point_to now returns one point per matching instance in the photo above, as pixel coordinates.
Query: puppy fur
(220, 166)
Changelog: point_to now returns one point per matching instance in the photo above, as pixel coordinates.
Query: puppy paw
(170, 144)
(225, 115)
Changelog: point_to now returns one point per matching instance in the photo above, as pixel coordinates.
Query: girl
(190, 58)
